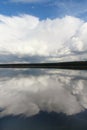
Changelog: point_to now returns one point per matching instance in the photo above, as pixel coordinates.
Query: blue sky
(35, 30)
(45, 9)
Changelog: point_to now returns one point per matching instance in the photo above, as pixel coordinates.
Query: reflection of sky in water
(29, 92)
(43, 95)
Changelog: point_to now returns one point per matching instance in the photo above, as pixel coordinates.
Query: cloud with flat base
(58, 39)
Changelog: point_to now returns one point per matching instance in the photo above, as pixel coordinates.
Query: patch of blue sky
(40, 10)
(48, 9)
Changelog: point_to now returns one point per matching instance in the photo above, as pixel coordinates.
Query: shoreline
(77, 65)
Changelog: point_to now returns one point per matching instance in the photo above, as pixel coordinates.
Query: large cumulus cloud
(54, 39)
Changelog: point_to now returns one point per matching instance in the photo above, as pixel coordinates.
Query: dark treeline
(79, 65)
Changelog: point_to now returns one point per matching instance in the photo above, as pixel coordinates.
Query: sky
(43, 30)
(44, 8)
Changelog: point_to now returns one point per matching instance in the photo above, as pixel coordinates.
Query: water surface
(37, 99)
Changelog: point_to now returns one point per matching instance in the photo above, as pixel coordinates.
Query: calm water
(43, 99)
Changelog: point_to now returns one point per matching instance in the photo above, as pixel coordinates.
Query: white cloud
(58, 91)
(71, 7)
(58, 39)
(29, 1)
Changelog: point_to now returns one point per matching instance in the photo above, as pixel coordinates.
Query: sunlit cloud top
(58, 39)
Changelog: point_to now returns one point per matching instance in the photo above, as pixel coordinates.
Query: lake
(43, 99)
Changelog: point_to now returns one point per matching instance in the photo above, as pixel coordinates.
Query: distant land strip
(75, 65)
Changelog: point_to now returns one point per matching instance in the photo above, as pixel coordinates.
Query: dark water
(43, 99)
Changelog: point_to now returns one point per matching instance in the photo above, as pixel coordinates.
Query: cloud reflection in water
(30, 91)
